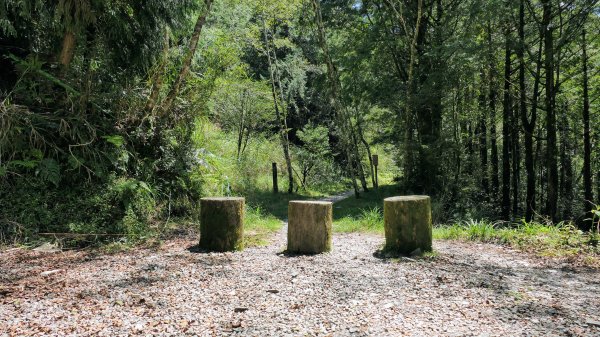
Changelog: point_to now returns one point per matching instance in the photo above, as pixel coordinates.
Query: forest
(117, 116)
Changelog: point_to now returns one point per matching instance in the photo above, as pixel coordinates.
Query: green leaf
(24, 163)
(116, 140)
(49, 170)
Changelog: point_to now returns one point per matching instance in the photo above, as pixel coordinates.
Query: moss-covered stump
(407, 224)
(221, 224)
(309, 227)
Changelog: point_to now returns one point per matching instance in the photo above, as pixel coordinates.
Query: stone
(309, 227)
(408, 224)
(221, 224)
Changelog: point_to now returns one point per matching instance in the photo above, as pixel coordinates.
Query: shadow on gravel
(388, 256)
(209, 258)
(287, 254)
(195, 249)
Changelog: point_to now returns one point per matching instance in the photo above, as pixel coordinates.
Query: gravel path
(468, 289)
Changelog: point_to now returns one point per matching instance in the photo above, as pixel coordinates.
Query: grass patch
(259, 226)
(369, 220)
(560, 240)
(364, 214)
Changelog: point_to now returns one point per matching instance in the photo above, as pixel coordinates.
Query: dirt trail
(468, 289)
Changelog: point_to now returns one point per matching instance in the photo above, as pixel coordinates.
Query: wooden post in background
(275, 187)
(376, 163)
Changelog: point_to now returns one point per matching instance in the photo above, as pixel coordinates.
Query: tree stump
(407, 224)
(221, 224)
(309, 227)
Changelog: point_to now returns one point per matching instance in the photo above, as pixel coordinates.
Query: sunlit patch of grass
(368, 220)
(562, 240)
(259, 226)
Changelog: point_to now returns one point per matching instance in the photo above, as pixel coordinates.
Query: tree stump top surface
(310, 202)
(223, 199)
(408, 198)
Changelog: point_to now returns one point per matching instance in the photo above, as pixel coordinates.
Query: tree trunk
(588, 194)
(516, 161)
(506, 135)
(344, 123)
(358, 162)
(187, 61)
(410, 163)
(361, 136)
(241, 127)
(551, 147)
(68, 49)
(566, 166)
(483, 150)
(492, 105)
(157, 79)
(281, 120)
(528, 123)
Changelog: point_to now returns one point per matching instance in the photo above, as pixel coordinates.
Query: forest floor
(464, 289)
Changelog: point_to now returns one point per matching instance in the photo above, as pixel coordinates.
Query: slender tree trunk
(516, 161)
(157, 78)
(588, 194)
(187, 61)
(457, 139)
(358, 161)
(409, 163)
(492, 106)
(361, 136)
(551, 147)
(566, 166)
(344, 123)
(506, 134)
(528, 122)
(598, 184)
(483, 150)
(281, 119)
(88, 56)
(539, 155)
(242, 125)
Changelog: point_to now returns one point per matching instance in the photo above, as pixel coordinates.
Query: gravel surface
(467, 289)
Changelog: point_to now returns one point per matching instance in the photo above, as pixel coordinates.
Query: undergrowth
(552, 240)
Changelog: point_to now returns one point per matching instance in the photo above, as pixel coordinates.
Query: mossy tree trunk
(309, 227)
(222, 224)
(408, 224)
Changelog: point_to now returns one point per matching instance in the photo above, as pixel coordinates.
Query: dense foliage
(116, 116)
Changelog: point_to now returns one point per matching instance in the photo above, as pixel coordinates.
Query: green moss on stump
(309, 227)
(222, 224)
(407, 224)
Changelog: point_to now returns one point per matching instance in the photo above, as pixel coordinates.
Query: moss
(222, 224)
(408, 224)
